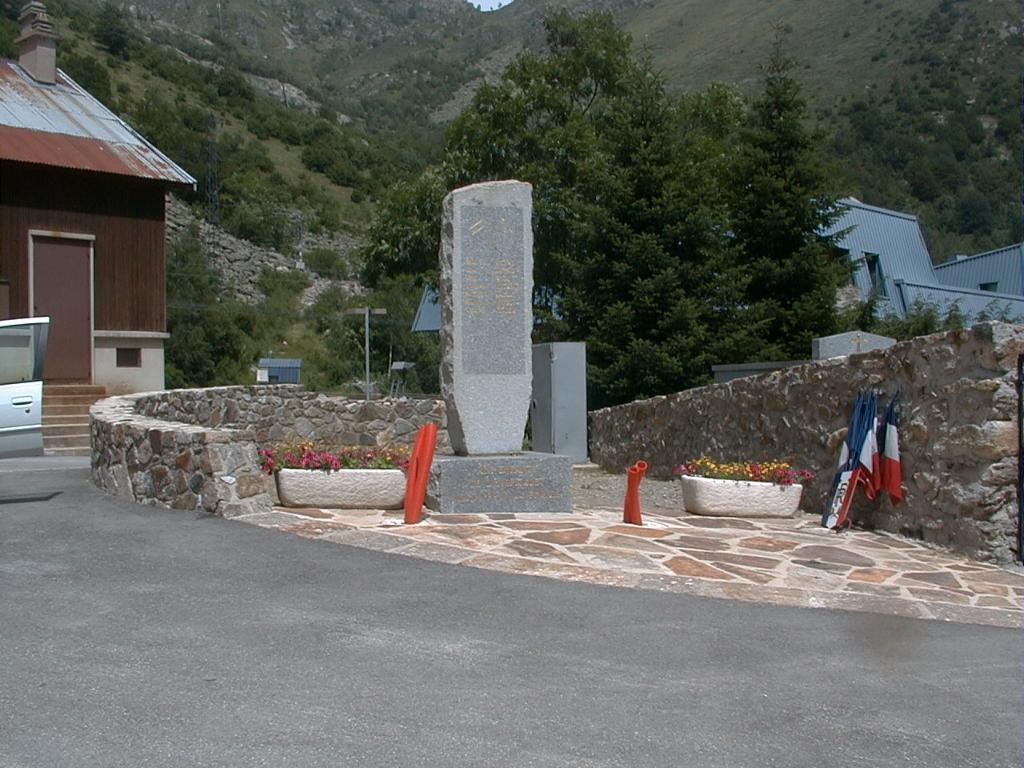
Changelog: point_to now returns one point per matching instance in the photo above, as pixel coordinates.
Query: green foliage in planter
(305, 454)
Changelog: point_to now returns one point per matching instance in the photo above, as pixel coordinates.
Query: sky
(490, 5)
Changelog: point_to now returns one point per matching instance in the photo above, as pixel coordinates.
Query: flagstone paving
(787, 562)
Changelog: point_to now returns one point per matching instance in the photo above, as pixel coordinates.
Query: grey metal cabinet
(558, 411)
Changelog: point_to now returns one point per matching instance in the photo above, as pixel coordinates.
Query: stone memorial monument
(486, 294)
(487, 315)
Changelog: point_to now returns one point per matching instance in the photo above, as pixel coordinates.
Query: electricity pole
(366, 312)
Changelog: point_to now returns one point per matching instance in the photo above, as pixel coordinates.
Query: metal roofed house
(998, 271)
(279, 370)
(893, 265)
(82, 198)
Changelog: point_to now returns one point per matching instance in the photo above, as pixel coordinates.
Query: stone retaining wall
(197, 449)
(281, 412)
(958, 437)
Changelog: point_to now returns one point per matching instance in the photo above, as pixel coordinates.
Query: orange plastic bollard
(412, 471)
(426, 461)
(631, 507)
(419, 473)
(412, 511)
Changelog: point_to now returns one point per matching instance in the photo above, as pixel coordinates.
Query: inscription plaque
(492, 310)
(527, 483)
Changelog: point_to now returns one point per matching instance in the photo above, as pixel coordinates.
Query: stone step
(61, 430)
(61, 399)
(82, 411)
(79, 451)
(65, 441)
(91, 390)
(66, 418)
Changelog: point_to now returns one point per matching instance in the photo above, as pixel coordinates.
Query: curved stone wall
(958, 437)
(198, 448)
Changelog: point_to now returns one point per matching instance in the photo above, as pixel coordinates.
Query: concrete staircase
(66, 418)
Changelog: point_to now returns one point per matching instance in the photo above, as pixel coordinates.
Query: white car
(22, 350)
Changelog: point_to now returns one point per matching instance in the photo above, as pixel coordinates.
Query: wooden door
(62, 290)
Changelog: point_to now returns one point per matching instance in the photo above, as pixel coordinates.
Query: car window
(21, 353)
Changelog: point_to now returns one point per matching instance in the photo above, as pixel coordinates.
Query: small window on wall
(129, 357)
(994, 287)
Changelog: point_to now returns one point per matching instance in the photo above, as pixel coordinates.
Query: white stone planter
(342, 489)
(739, 498)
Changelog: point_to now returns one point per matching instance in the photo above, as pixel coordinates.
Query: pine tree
(780, 205)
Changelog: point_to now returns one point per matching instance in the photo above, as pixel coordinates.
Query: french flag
(869, 459)
(892, 468)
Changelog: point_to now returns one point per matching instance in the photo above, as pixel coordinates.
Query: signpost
(366, 312)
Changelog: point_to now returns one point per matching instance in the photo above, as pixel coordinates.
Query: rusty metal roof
(62, 125)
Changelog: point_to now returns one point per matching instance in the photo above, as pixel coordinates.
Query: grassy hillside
(918, 98)
(210, 120)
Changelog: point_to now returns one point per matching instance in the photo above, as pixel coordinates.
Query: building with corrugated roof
(998, 271)
(82, 198)
(893, 266)
(279, 370)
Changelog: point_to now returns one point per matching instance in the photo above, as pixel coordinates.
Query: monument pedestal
(501, 483)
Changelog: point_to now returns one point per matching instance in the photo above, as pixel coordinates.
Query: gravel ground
(596, 488)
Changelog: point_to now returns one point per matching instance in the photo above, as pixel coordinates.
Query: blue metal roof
(908, 275)
(896, 238)
(1003, 268)
(280, 362)
(971, 303)
(428, 314)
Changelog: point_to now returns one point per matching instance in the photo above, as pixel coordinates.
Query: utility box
(558, 410)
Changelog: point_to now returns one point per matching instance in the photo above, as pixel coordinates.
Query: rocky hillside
(241, 263)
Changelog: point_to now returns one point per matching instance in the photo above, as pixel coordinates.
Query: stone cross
(486, 293)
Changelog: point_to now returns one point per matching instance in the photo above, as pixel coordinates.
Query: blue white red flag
(869, 459)
(851, 471)
(892, 466)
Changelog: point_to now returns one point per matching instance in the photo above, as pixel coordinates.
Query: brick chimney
(37, 44)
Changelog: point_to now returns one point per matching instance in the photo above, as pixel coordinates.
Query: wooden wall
(126, 215)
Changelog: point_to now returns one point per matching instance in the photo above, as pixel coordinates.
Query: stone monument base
(501, 483)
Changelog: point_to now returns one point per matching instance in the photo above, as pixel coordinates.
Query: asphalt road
(137, 636)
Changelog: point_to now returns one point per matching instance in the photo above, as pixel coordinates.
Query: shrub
(327, 263)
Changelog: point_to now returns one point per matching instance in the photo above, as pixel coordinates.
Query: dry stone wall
(281, 412)
(958, 437)
(198, 448)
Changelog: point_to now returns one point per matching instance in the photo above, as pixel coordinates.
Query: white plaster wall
(149, 377)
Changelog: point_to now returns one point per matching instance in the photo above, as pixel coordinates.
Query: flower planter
(739, 498)
(342, 488)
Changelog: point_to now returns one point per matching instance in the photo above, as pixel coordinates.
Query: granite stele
(486, 296)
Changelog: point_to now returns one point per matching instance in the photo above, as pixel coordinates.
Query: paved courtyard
(784, 562)
(147, 637)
